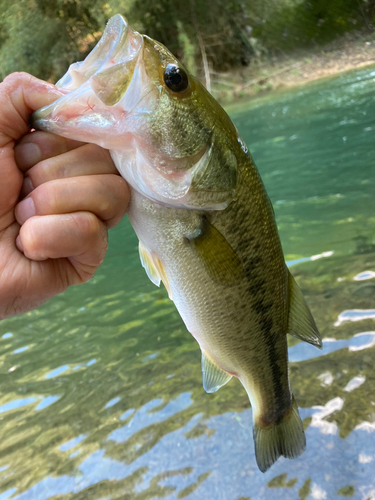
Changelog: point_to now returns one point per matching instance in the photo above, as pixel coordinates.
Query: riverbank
(354, 50)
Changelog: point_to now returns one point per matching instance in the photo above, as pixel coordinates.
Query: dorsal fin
(301, 324)
(213, 376)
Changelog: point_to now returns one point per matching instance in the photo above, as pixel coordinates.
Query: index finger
(38, 146)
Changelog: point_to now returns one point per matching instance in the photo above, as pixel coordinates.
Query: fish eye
(175, 78)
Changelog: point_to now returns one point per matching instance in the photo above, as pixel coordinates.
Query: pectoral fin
(213, 376)
(154, 268)
(301, 323)
(220, 260)
(148, 263)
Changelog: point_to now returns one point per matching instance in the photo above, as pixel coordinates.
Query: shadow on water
(100, 389)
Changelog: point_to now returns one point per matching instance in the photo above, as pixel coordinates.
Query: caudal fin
(285, 438)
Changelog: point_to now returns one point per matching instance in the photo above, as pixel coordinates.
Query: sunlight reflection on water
(108, 403)
(303, 351)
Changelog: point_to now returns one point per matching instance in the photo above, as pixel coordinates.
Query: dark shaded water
(100, 389)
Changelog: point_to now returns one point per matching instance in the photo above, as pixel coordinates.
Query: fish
(205, 224)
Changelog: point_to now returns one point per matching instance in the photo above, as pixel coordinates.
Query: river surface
(101, 389)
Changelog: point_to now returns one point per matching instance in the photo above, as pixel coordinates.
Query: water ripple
(365, 275)
(355, 315)
(145, 417)
(57, 371)
(17, 403)
(291, 263)
(47, 401)
(304, 351)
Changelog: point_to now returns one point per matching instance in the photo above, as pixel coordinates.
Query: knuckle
(88, 225)
(114, 203)
(106, 209)
(45, 199)
(86, 274)
(50, 169)
(30, 240)
(14, 79)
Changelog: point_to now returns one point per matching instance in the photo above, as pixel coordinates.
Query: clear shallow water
(100, 389)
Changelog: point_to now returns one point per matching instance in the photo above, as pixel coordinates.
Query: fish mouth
(98, 90)
(113, 47)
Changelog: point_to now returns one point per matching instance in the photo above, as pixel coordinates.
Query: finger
(37, 146)
(81, 237)
(85, 160)
(106, 196)
(20, 94)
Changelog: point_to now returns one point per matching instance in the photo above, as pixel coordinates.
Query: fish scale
(203, 218)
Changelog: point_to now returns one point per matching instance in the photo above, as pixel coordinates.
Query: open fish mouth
(114, 47)
(126, 96)
(110, 75)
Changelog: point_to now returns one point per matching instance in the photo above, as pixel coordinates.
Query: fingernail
(19, 244)
(24, 210)
(27, 154)
(27, 187)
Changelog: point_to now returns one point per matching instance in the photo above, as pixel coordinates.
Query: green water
(100, 389)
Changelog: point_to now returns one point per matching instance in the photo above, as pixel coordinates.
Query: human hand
(71, 193)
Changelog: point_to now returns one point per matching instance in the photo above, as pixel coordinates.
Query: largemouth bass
(205, 224)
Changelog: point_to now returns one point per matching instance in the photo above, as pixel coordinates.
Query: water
(101, 391)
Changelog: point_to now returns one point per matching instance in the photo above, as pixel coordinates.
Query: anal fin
(301, 324)
(213, 376)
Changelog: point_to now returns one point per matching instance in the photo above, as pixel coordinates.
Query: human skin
(58, 197)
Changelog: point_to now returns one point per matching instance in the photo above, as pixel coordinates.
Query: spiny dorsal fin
(301, 324)
(213, 376)
(220, 260)
(149, 265)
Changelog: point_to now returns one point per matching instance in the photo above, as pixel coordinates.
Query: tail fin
(285, 438)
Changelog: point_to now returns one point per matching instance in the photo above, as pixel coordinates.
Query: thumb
(20, 95)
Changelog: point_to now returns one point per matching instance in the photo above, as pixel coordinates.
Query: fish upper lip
(53, 108)
(107, 52)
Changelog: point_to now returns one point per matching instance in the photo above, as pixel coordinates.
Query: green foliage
(221, 25)
(26, 51)
(43, 37)
(313, 21)
(188, 48)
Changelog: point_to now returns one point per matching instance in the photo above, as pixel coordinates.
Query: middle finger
(84, 160)
(106, 196)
